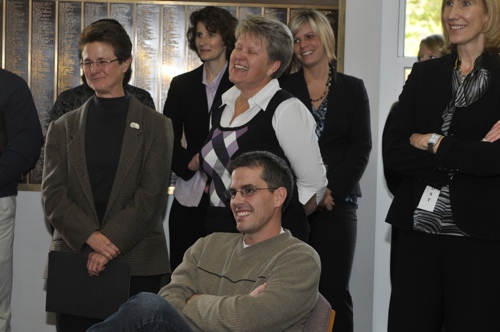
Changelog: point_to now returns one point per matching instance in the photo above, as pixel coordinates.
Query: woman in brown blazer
(106, 172)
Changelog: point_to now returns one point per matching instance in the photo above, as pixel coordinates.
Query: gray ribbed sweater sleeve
(220, 269)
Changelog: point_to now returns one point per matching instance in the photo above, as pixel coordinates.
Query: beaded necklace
(327, 86)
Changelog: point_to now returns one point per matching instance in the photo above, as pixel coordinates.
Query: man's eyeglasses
(98, 63)
(245, 192)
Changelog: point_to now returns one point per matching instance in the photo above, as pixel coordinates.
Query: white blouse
(295, 129)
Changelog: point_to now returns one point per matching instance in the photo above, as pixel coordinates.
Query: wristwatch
(432, 141)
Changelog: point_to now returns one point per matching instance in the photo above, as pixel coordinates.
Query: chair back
(321, 317)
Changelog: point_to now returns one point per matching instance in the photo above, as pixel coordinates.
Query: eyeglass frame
(244, 192)
(98, 63)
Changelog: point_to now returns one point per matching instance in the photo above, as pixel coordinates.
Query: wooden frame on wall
(39, 43)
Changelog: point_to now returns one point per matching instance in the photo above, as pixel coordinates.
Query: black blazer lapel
(336, 97)
(440, 80)
(199, 92)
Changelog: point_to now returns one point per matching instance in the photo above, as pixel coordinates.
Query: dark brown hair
(216, 20)
(112, 33)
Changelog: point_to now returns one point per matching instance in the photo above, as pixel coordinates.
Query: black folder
(71, 290)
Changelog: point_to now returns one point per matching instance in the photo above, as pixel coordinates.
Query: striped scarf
(465, 92)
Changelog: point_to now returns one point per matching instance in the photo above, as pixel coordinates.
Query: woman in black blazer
(443, 141)
(340, 106)
(190, 97)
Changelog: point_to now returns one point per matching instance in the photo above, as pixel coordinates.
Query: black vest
(262, 137)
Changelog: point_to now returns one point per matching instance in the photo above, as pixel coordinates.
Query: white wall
(361, 42)
(370, 54)
(31, 247)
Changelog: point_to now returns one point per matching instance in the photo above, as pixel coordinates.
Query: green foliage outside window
(423, 18)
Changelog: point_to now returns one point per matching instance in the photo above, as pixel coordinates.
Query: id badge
(429, 199)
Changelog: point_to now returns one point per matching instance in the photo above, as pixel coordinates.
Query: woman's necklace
(327, 86)
(460, 74)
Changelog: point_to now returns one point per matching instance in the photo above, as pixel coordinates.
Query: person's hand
(420, 141)
(101, 244)
(311, 205)
(96, 263)
(194, 164)
(327, 200)
(493, 134)
(192, 297)
(258, 290)
(253, 293)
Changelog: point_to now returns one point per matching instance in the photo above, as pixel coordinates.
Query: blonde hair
(275, 36)
(434, 43)
(320, 25)
(491, 29)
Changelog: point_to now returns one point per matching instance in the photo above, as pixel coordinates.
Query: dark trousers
(444, 281)
(333, 236)
(71, 323)
(186, 225)
(145, 312)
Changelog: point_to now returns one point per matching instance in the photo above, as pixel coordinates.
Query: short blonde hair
(276, 37)
(491, 29)
(320, 25)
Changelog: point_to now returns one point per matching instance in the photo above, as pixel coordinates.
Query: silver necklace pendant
(462, 76)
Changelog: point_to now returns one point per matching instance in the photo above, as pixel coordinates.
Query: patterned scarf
(319, 115)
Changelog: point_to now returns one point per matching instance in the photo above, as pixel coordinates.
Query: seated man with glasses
(262, 279)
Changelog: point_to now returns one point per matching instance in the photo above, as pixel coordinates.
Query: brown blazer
(133, 219)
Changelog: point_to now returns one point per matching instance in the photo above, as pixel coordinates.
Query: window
(419, 19)
(423, 18)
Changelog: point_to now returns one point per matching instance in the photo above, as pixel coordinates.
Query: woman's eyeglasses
(98, 63)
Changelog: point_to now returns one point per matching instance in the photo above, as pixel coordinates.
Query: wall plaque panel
(70, 25)
(147, 54)
(42, 67)
(95, 11)
(16, 37)
(42, 56)
(278, 13)
(231, 9)
(244, 11)
(124, 13)
(174, 46)
(50, 64)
